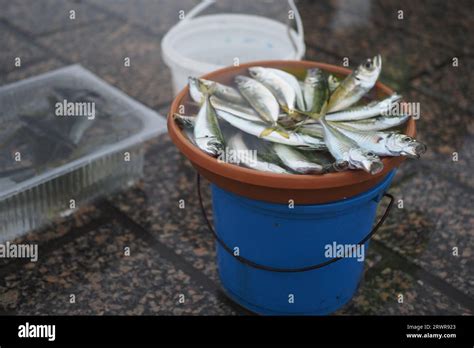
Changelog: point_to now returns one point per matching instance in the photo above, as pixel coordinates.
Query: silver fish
(333, 83)
(356, 85)
(376, 123)
(185, 121)
(207, 133)
(345, 149)
(293, 82)
(327, 161)
(261, 99)
(248, 113)
(316, 90)
(195, 90)
(313, 129)
(299, 140)
(372, 109)
(198, 88)
(288, 122)
(239, 110)
(385, 143)
(238, 148)
(282, 90)
(187, 124)
(296, 161)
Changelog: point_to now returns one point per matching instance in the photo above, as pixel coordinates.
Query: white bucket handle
(206, 3)
(299, 24)
(196, 10)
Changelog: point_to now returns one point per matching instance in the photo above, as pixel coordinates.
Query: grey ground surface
(172, 252)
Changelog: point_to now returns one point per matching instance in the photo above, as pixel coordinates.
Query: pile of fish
(303, 127)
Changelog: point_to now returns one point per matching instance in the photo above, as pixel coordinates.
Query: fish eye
(371, 154)
(406, 139)
(368, 64)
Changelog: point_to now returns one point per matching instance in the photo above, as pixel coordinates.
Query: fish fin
(283, 133)
(287, 110)
(295, 113)
(184, 120)
(301, 124)
(266, 131)
(324, 108)
(321, 113)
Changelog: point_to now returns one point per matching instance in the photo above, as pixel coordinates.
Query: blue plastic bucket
(274, 259)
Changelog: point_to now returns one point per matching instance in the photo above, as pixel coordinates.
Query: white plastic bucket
(196, 46)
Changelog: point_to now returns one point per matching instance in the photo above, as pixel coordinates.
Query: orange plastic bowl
(280, 188)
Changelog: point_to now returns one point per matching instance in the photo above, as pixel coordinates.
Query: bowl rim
(276, 180)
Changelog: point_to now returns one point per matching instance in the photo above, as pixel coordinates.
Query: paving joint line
(451, 180)
(196, 275)
(28, 65)
(67, 29)
(117, 16)
(442, 98)
(430, 70)
(413, 34)
(31, 40)
(418, 273)
(46, 247)
(323, 50)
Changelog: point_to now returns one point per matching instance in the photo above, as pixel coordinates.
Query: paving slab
(448, 133)
(47, 16)
(105, 51)
(14, 46)
(55, 233)
(105, 281)
(444, 22)
(30, 71)
(170, 183)
(451, 83)
(393, 292)
(358, 36)
(434, 228)
(154, 16)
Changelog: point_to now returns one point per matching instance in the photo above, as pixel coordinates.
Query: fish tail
(270, 130)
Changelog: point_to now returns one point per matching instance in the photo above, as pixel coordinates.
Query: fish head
(404, 145)
(333, 79)
(194, 90)
(207, 85)
(368, 72)
(314, 76)
(340, 165)
(243, 81)
(362, 159)
(257, 72)
(211, 146)
(200, 86)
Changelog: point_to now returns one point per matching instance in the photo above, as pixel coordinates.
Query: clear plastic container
(53, 158)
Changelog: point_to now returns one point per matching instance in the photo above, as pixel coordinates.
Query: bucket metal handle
(299, 23)
(286, 270)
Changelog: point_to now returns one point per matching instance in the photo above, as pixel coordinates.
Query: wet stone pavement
(171, 268)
